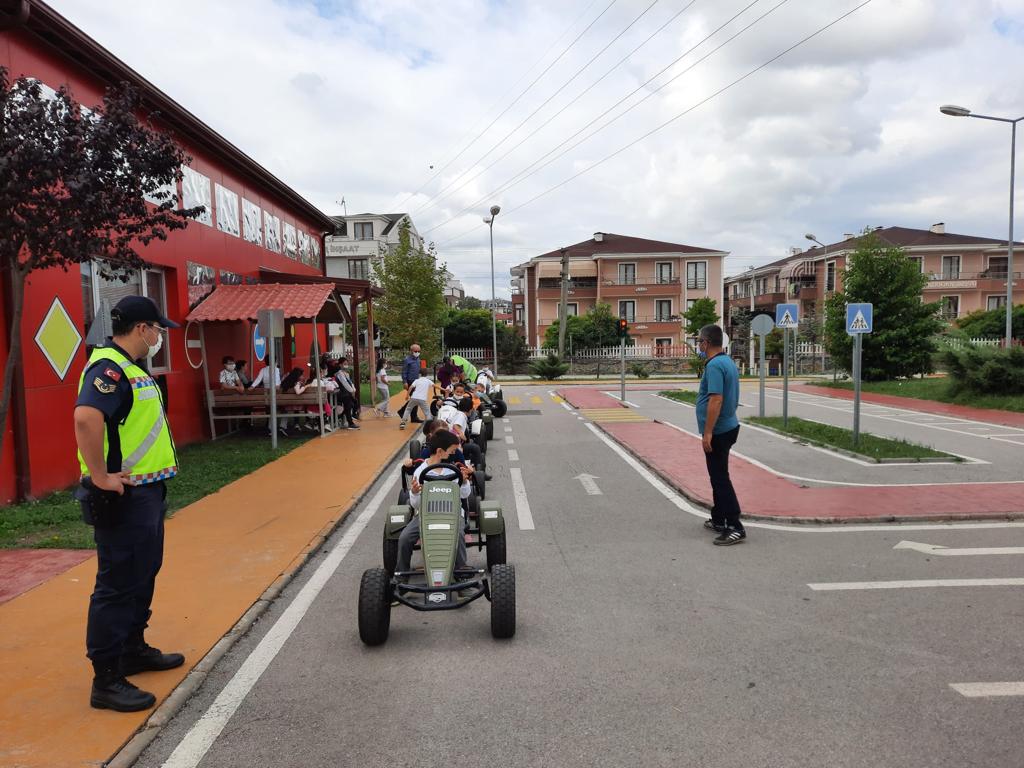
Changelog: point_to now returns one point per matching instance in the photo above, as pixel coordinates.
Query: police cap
(140, 309)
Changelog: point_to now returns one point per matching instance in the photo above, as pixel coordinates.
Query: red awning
(243, 302)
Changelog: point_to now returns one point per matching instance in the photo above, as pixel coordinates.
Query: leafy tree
(549, 368)
(991, 323)
(985, 370)
(902, 343)
(413, 306)
(598, 328)
(469, 302)
(702, 313)
(739, 333)
(72, 186)
(468, 328)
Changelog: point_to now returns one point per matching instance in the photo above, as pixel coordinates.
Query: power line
(441, 193)
(685, 112)
(533, 167)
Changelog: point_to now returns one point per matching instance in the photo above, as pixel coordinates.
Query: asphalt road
(638, 643)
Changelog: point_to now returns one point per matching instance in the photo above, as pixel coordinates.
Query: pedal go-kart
(479, 491)
(440, 586)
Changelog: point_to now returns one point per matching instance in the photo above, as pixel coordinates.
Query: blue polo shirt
(720, 378)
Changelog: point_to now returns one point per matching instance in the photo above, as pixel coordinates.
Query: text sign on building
(787, 315)
(859, 318)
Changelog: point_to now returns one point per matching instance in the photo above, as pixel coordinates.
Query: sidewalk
(678, 459)
(221, 554)
(990, 415)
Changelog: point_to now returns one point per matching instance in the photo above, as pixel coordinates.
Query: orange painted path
(221, 553)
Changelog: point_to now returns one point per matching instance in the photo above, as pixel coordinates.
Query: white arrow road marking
(977, 690)
(588, 484)
(916, 584)
(522, 503)
(936, 549)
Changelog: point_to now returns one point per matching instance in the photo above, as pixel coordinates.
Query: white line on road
(978, 690)
(935, 549)
(522, 503)
(204, 733)
(513, 454)
(508, 429)
(916, 584)
(619, 398)
(509, 440)
(506, 420)
(587, 481)
(566, 406)
(678, 501)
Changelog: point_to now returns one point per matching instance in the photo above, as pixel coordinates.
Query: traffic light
(623, 328)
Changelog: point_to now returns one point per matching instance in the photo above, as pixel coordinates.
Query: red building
(255, 226)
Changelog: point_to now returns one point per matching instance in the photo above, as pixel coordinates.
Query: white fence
(955, 343)
(636, 351)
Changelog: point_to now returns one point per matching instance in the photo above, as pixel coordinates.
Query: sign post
(860, 319)
(622, 373)
(761, 325)
(271, 326)
(786, 316)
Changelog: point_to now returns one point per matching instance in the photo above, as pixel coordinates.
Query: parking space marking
(522, 503)
(936, 549)
(915, 584)
(513, 454)
(207, 729)
(509, 440)
(980, 690)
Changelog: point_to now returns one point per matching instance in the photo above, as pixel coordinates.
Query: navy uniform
(128, 528)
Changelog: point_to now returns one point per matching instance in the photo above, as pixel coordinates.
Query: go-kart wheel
(390, 548)
(503, 601)
(375, 606)
(480, 482)
(489, 430)
(481, 441)
(415, 448)
(497, 395)
(498, 408)
(473, 503)
(435, 406)
(495, 550)
(403, 497)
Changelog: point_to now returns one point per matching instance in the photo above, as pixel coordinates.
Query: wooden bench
(255, 404)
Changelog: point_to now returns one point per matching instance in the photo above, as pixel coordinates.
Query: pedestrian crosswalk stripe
(604, 415)
(556, 398)
(536, 400)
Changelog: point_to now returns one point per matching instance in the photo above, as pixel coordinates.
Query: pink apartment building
(649, 282)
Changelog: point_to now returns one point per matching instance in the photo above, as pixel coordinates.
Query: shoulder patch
(103, 387)
(110, 373)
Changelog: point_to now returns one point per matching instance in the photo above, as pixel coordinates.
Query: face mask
(229, 366)
(702, 354)
(415, 354)
(156, 347)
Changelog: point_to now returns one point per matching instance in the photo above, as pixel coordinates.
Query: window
(103, 293)
(663, 271)
(690, 303)
(195, 191)
(359, 269)
(950, 267)
(663, 310)
(364, 230)
(830, 276)
(778, 285)
(627, 274)
(272, 227)
(997, 267)
(572, 309)
(996, 302)
(662, 347)
(735, 290)
(519, 315)
(227, 211)
(291, 242)
(697, 275)
(252, 229)
(950, 307)
(919, 261)
(627, 309)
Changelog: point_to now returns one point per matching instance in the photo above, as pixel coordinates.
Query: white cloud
(359, 97)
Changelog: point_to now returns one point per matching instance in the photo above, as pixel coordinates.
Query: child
(383, 407)
(229, 378)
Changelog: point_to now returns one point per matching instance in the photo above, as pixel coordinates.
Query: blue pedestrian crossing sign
(859, 318)
(259, 343)
(787, 315)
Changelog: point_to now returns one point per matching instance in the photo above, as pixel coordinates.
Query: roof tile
(243, 302)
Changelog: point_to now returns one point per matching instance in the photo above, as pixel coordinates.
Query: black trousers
(727, 507)
(472, 452)
(129, 553)
(349, 408)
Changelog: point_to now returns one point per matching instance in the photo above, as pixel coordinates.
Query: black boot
(110, 690)
(145, 658)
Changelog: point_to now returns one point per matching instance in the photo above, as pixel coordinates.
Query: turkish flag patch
(110, 373)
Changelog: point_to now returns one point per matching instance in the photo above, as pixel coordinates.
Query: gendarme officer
(126, 454)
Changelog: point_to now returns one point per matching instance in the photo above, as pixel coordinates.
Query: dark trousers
(727, 507)
(472, 452)
(349, 408)
(129, 553)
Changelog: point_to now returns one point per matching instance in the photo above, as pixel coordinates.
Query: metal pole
(272, 342)
(785, 378)
(1009, 248)
(319, 383)
(622, 372)
(761, 402)
(563, 314)
(206, 383)
(856, 387)
(494, 304)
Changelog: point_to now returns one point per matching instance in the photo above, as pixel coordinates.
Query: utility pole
(563, 315)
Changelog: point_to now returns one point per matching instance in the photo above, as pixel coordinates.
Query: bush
(639, 370)
(697, 364)
(985, 370)
(548, 368)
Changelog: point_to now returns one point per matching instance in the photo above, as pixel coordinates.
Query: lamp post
(489, 221)
(954, 111)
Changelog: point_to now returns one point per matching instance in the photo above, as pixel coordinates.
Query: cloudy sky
(544, 106)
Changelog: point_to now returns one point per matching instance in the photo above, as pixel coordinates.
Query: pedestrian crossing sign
(787, 315)
(859, 318)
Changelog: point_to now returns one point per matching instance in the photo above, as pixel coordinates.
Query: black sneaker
(149, 659)
(110, 690)
(730, 537)
(713, 526)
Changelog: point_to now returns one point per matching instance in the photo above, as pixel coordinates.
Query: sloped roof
(615, 244)
(243, 302)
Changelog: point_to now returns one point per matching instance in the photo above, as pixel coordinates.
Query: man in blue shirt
(716, 419)
(410, 373)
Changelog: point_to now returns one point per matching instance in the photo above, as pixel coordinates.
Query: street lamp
(954, 111)
(489, 221)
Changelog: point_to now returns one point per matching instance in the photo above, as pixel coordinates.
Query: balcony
(641, 287)
(770, 299)
(655, 323)
(990, 279)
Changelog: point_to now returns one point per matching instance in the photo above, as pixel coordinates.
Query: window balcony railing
(653, 318)
(574, 282)
(989, 274)
(643, 281)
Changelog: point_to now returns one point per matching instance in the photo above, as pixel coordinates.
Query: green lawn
(935, 388)
(682, 395)
(364, 390)
(56, 522)
(828, 436)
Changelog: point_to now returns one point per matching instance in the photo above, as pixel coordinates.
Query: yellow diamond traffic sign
(58, 338)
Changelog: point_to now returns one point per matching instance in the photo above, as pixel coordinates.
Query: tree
(991, 323)
(73, 184)
(548, 368)
(413, 307)
(598, 328)
(739, 333)
(702, 313)
(469, 302)
(902, 343)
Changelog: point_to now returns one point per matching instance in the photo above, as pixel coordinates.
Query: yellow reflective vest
(147, 449)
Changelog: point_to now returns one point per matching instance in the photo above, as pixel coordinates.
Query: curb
(806, 521)
(169, 707)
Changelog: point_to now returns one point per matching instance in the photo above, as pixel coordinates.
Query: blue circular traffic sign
(259, 343)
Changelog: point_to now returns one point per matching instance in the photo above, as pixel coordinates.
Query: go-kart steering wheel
(448, 472)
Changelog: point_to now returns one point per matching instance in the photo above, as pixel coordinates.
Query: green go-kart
(440, 586)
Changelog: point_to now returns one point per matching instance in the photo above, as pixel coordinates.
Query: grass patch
(681, 395)
(364, 390)
(56, 520)
(935, 388)
(828, 436)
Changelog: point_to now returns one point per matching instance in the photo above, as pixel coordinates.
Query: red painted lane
(679, 459)
(989, 415)
(23, 569)
(589, 398)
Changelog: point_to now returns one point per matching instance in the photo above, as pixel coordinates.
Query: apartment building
(357, 239)
(648, 282)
